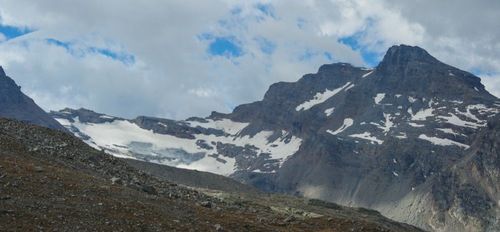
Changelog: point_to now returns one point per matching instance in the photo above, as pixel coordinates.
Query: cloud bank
(182, 58)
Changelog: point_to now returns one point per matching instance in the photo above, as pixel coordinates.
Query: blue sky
(224, 46)
(121, 56)
(11, 32)
(167, 59)
(371, 58)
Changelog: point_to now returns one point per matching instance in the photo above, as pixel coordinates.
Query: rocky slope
(192, 178)
(471, 185)
(385, 138)
(14, 104)
(52, 181)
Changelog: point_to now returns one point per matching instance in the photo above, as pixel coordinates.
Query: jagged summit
(396, 56)
(335, 66)
(2, 73)
(80, 110)
(404, 55)
(84, 115)
(412, 69)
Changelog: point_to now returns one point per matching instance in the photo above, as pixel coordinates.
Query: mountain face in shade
(390, 138)
(15, 105)
(471, 186)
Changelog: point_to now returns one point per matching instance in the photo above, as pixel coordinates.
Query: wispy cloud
(77, 50)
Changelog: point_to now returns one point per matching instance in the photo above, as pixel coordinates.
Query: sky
(183, 58)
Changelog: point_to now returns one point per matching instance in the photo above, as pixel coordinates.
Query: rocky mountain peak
(2, 73)
(401, 55)
(84, 115)
(403, 60)
(335, 67)
(412, 69)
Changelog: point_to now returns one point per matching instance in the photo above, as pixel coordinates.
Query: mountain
(14, 104)
(215, 145)
(389, 138)
(52, 181)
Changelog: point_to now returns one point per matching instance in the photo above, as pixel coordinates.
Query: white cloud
(202, 92)
(492, 84)
(173, 75)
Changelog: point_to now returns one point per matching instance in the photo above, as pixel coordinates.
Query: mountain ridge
(379, 138)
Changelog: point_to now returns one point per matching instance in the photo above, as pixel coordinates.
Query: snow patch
(349, 87)
(226, 125)
(347, 123)
(65, 112)
(481, 109)
(422, 115)
(320, 98)
(388, 123)
(415, 125)
(329, 111)
(449, 131)
(412, 99)
(455, 120)
(367, 74)
(442, 142)
(106, 116)
(63, 122)
(457, 102)
(401, 136)
(367, 136)
(162, 124)
(379, 97)
(211, 164)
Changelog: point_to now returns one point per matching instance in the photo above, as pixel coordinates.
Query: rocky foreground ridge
(52, 181)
